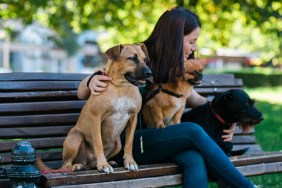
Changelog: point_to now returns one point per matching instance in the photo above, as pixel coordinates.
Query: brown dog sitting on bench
(166, 102)
(96, 135)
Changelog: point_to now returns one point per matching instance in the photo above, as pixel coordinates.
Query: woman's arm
(196, 99)
(96, 86)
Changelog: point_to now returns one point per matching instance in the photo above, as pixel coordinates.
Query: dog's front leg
(129, 162)
(102, 164)
(178, 115)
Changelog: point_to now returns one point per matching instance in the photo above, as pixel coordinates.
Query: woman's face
(190, 42)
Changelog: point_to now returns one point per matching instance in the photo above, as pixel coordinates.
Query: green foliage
(251, 25)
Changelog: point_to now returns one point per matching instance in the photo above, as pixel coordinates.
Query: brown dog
(166, 102)
(96, 135)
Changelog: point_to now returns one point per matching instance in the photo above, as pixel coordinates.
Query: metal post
(23, 173)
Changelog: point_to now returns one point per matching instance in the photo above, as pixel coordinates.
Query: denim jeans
(187, 145)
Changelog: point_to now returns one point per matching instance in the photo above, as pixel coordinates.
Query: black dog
(232, 106)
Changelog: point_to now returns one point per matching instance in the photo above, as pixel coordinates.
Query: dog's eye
(193, 73)
(133, 58)
(252, 101)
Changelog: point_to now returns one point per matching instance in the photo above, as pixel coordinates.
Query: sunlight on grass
(269, 94)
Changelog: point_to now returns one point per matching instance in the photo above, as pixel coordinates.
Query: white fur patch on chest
(122, 108)
(177, 103)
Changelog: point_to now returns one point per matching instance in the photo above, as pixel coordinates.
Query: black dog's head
(235, 106)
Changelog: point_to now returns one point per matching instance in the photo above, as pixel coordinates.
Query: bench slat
(33, 132)
(37, 96)
(19, 76)
(38, 143)
(38, 86)
(245, 139)
(253, 148)
(263, 157)
(93, 176)
(41, 120)
(41, 107)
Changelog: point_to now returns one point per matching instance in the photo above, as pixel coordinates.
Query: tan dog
(96, 135)
(166, 102)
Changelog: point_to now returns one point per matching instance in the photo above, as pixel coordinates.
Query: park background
(240, 37)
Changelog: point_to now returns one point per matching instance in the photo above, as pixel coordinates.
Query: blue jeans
(187, 145)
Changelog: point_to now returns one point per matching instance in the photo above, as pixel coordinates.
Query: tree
(132, 21)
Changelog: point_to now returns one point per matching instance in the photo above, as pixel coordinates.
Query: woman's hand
(230, 132)
(97, 84)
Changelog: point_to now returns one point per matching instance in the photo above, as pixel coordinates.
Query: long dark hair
(165, 44)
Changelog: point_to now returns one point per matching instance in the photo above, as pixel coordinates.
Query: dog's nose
(261, 119)
(147, 72)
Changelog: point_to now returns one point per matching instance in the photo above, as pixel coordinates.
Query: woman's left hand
(229, 133)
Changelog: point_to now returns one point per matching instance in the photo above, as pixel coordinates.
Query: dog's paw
(160, 125)
(113, 164)
(77, 167)
(131, 165)
(105, 168)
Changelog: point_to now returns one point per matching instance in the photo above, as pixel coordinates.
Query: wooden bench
(42, 107)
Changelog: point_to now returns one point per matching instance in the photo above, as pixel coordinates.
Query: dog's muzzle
(140, 79)
(251, 117)
(197, 80)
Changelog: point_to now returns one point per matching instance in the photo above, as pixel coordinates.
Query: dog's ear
(144, 49)
(223, 98)
(107, 67)
(228, 96)
(114, 52)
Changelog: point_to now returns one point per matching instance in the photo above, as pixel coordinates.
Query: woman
(172, 41)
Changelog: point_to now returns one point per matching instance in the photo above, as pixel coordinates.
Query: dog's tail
(47, 170)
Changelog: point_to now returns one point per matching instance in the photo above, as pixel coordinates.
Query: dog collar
(161, 89)
(219, 118)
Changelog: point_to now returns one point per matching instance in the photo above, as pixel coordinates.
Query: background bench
(42, 108)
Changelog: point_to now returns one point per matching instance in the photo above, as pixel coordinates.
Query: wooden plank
(19, 76)
(41, 107)
(253, 148)
(41, 120)
(209, 92)
(34, 132)
(169, 180)
(257, 158)
(38, 143)
(94, 176)
(38, 86)
(221, 83)
(244, 139)
(5, 183)
(37, 96)
(259, 169)
(45, 155)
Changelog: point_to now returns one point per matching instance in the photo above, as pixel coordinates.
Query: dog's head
(235, 106)
(193, 71)
(130, 61)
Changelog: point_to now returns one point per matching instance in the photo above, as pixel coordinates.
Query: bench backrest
(42, 108)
